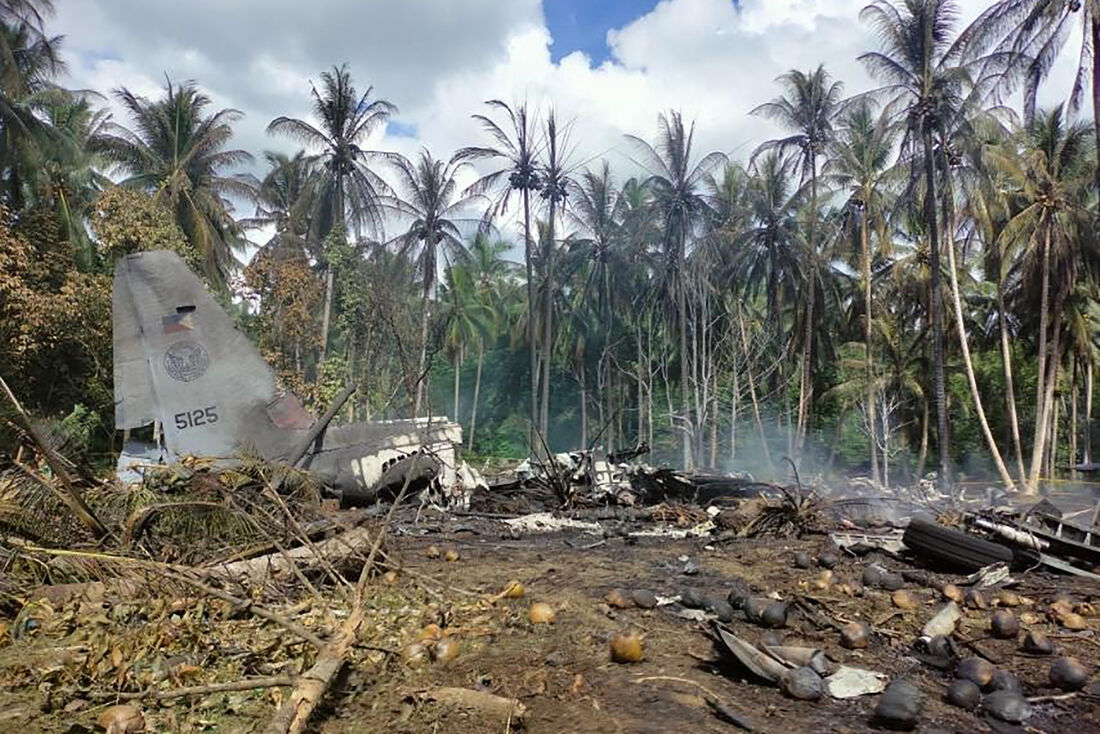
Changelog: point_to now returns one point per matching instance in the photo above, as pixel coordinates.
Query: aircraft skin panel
(203, 378)
(135, 403)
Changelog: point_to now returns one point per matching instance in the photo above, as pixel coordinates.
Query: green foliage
(126, 221)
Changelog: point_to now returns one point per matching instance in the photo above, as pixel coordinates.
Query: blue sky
(582, 25)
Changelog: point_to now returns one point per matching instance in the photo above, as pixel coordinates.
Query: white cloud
(439, 59)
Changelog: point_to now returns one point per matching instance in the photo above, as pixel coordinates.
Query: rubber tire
(952, 547)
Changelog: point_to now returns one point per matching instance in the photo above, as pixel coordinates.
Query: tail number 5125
(197, 417)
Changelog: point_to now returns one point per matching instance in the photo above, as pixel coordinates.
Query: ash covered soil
(560, 672)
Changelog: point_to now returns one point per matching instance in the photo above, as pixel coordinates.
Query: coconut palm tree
(925, 81)
(177, 151)
(349, 190)
(469, 320)
(860, 166)
(594, 210)
(809, 104)
(22, 21)
(554, 181)
(29, 62)
(491, 275)
(1028, 36)
(676, 181)
(285, 200)
(69, 176)
(429, 200)
(514, 146)
(1050, 173)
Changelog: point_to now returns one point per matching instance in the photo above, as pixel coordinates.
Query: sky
(607, 66)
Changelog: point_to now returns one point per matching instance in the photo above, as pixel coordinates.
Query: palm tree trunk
(641, 385)
(681, 306)
(1050, 406)
(714, 431)
(733, 414)
(548, 328)
(1038, 441)
(531, 303)
(326, 316)
(1073, 417)
(1010, 390)
(960, 327)
(584, 406)
(805, 388)
(458, 378)
(922, 454)
(1094, 31)
(425, 318)
(1052, 455)
(752, 393)
(477, 392)
(939, 387)
(865, 248)
(1088, 410)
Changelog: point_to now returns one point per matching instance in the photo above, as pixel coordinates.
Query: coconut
(855, 635)
(976, 670)
(823, 581)
(1073, 621)
(754, 608)
(693, 599)
(775, 615)
(445, 650)
(720, 608)
(827, 560)
(964, 694)
(122, 719)
(1037, 643)
(1008, 599)
(618, 599)
(513, 590)
(904, 599)
(432, 552)
(1006, 681)
(451, 555)
(975, 599)
(739, 593)
(1007, 706)
(1004, 625)
(1068, 674)
(953, 593)
(941, 646)
(644, 598)
(803, 684)
(541, 613)
(626, 647)
(899, 705)
(802, 560)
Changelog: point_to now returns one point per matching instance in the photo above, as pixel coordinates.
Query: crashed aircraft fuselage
(180, 363)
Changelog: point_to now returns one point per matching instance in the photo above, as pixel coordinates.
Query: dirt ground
(561, 672)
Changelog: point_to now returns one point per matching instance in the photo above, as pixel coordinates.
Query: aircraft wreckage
(182, 366)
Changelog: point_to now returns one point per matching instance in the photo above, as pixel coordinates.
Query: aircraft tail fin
(179, 359)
